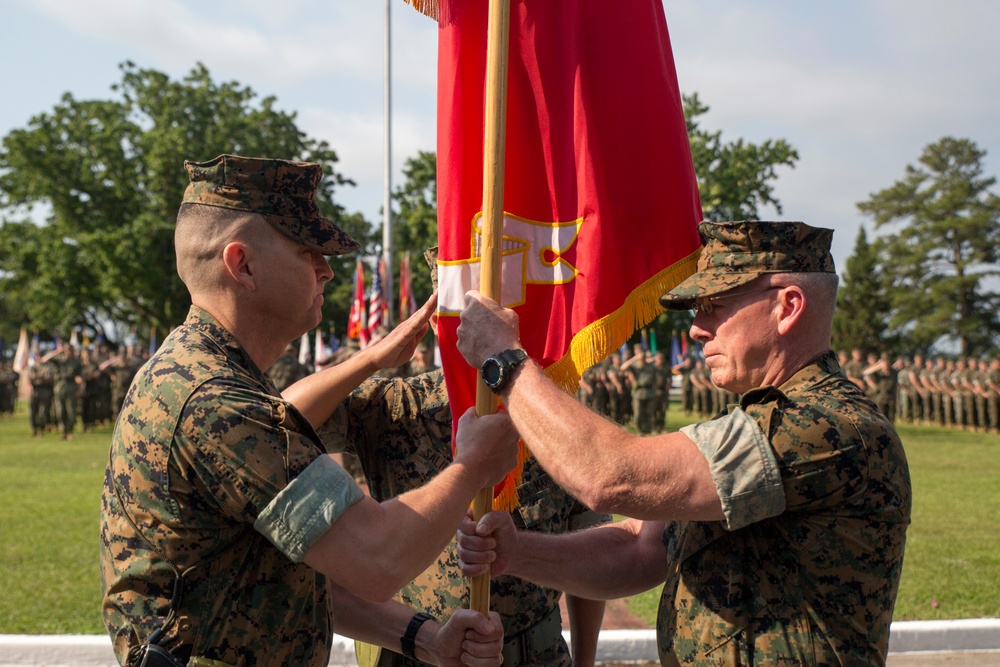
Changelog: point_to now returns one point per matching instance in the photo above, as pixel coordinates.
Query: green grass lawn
(50, 493)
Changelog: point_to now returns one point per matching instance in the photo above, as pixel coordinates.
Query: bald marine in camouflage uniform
(400, 428)
(778, 527)
(229, 536)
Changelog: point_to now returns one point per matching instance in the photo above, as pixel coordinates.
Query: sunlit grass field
(50, 512)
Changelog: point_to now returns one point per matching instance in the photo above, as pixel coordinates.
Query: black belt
(524, 646)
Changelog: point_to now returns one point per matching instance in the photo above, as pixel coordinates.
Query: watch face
(491, 372)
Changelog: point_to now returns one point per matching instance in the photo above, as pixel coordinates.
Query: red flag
(407, 300)
(356, 320)
(600, 198)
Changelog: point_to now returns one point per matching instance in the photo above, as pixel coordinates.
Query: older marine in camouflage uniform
(401, 431)
(783, 519)
(229, 535)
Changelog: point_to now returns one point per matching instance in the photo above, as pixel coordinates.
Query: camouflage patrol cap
(735, 253)
(431, 256)
(282, 191)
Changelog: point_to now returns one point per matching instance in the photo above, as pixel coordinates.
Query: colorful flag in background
(375, 303)
(152, 341)
(356, 320)
(304, 353)
(600, 198)
(407, 300)
(22, 353)
(320, 354)
(35, 350)
(675, 350)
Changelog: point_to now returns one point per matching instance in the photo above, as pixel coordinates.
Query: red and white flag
(376, 304)
(357, 327)
(600, 198)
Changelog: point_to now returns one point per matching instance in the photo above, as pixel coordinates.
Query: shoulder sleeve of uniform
(243, 445)
(350, 427)
(820, 451)
(743, 467)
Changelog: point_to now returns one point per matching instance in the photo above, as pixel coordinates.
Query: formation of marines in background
(66, 385)
(962, 393)
(636, 388)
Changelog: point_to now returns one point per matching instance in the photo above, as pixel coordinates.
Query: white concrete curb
(615, 646)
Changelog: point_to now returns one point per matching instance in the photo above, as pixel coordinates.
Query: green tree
(107, 177)
(943, 249)
(862, 317)
(415, 217)
(735, 178)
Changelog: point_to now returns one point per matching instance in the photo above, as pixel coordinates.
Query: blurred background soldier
(89, 399)
(664, 380)
(42, 378)
(993, 387)
(905, 393)
(68, 388)
(401, 429)
(121, 369)
(642, 376)
(881, 380)
(854, 368)
(684, 367)
(286, 370)
(927, 377)
(8, 388)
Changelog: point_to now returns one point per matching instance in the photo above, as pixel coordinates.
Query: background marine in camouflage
(401, 428)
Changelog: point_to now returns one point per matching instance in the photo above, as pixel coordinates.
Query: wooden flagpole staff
(490, 253)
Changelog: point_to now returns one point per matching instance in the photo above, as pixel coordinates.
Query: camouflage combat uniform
(401, 428)
(815, 584)
(216, 470)
(66, 391)
(42, 379)
(286, 371)
(643, 396)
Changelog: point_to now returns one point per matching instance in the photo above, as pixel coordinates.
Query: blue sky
(859, 87)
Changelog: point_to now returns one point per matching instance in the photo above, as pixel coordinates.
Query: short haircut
(200, 236)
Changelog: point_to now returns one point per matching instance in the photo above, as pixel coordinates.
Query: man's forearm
(608, 562)
(585, 619)
(378, 623)
(316, 396)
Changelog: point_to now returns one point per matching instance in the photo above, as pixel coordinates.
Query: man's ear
(791, 306)
(236, 259)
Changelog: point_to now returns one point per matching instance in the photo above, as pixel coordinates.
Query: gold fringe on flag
(431, 8)
(602, 337)
(594, 343)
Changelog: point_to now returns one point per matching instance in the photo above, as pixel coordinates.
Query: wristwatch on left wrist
(498, 369)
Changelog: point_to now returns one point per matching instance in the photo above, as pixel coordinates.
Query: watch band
(408, 641)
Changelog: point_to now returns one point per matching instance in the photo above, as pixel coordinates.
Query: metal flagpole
(387, 249)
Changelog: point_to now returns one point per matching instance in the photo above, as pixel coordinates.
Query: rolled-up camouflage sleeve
(743, 466)
(307, 507)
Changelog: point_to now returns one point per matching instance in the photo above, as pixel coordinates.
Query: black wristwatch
(497, 370)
